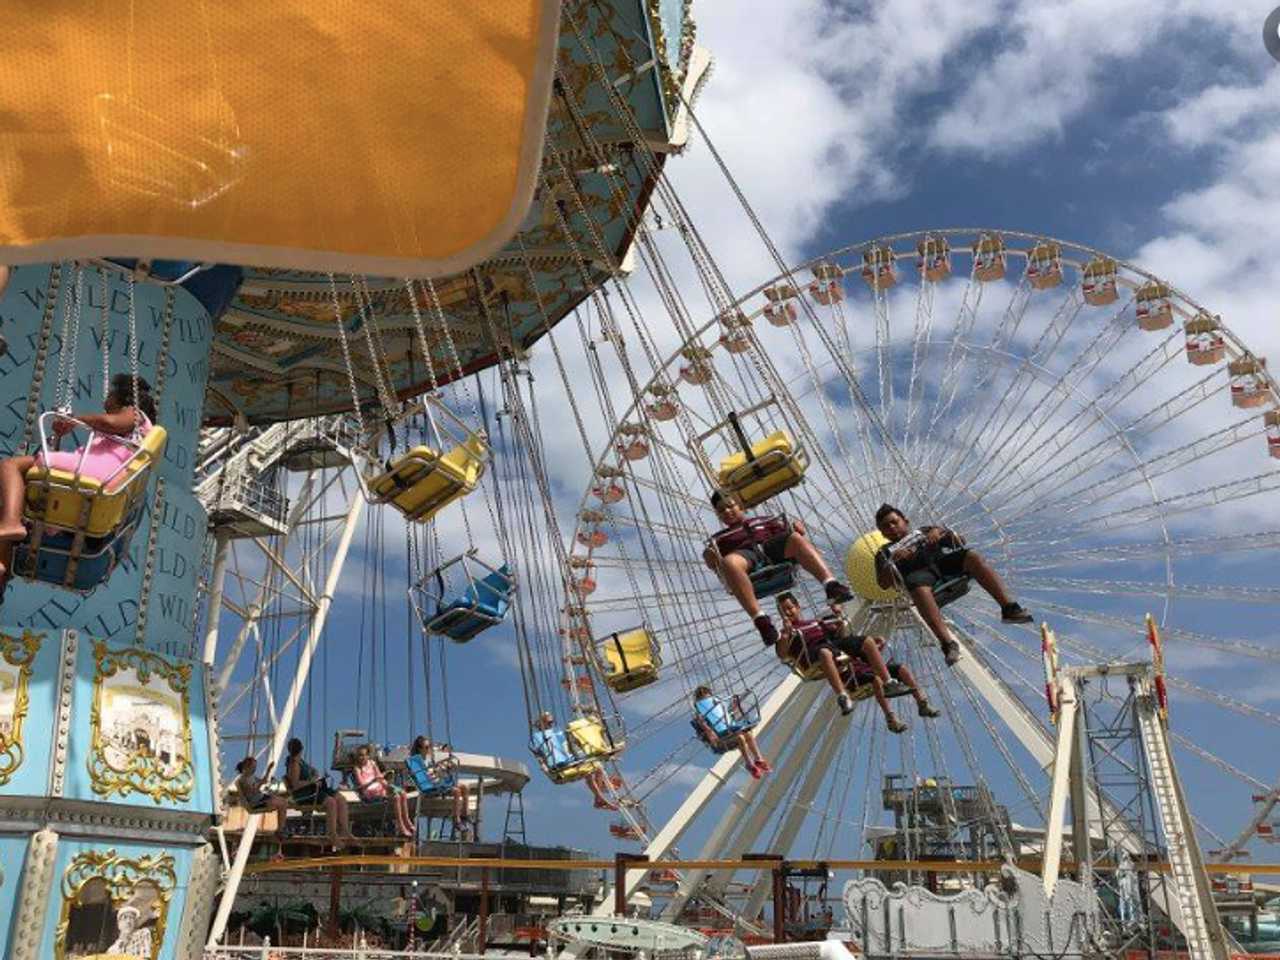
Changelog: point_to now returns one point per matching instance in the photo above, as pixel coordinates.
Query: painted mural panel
(28, 694)
(115, 901)
(139, 734)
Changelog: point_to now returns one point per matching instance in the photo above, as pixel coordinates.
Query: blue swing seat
(434, 779)
(720, 729)
(483, 604)
(56, 558)
(773, 578)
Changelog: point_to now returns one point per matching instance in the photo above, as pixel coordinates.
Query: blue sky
(1150, 130)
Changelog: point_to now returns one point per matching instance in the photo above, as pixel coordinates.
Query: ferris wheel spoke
(1063, 436)
(1113, 444)
(970, 420)
(1157, 511)
(1147, 589)
(949, 378)
(1172, 635)
(920, 338)
(1089, 497)
(1030, 557)
(1035, 366)
(1222, 700)
(1212, 758)
(1061, 391)
(1152, 468)
(1020, 384)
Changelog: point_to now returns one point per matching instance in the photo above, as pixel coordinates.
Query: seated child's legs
(13, 485)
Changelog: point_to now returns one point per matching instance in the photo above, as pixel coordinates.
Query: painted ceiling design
(278, 352)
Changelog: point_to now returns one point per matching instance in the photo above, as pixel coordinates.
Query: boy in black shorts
(735, 566)
(821, 641)
(924, 556)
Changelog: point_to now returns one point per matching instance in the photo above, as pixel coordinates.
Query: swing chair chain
(40, 363)
(148, 570)
(65, 390)
(104, 329)
(377, 356)
(133, 335)
(346, 354)
(162, 364)
(421, 329)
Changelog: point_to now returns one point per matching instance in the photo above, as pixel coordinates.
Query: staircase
(1201, 926)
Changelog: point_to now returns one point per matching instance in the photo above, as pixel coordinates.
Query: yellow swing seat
(421, 482)
(631, 659)
(88, 506)
(776, 464)
(589, 739)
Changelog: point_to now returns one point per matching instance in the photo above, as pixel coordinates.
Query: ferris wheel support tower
(281, 575)
(782, 721)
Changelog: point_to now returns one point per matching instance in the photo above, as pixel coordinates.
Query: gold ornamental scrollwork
(132, 748)
(150, 880)
(17, 652)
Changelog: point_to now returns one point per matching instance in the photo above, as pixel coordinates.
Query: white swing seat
(776, 464)
(86, 506)
(420, 483)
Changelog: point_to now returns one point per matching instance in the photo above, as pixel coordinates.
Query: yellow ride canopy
(372, 137)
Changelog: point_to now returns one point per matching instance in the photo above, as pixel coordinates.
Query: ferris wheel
(1110, 446)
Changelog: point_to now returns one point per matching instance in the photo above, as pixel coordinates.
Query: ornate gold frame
(122, 877)
(143, 773)
(17, 652)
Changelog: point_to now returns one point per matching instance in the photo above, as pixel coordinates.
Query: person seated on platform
(735, 568)
(714, 714)
(309, 788)
(372, 785)
(823, 640)
(256, 800)
(462, 823)
(921, 558)
(552, 744)
(104, 456)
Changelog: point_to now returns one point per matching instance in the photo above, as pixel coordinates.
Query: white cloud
(1054, 60)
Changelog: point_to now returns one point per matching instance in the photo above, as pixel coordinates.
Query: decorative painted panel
(115, 899)
(28, 700)
(139, 731)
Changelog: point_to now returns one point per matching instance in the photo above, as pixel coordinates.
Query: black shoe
(927, 710)
(837, 592)
(1013, 613)
(894, 724)
(895, 688)
(768, 632)
(951, 653)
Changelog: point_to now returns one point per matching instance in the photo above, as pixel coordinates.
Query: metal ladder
(1206, 939)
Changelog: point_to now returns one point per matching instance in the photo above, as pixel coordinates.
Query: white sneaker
(846, 704)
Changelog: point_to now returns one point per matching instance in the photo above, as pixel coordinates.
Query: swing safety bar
(759, 471)
(425, 479)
